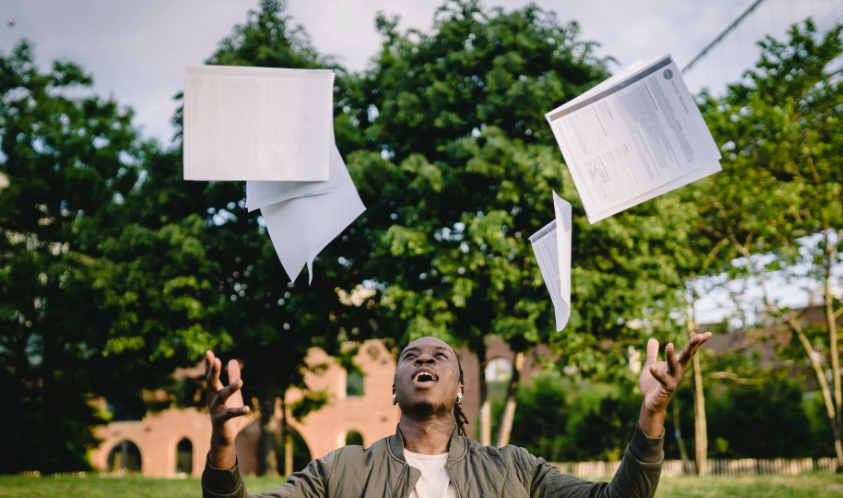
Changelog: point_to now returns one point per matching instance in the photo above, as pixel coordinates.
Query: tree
(259, 316)
(81, 314)
(777, 209)
(461, 174)
(764, 419)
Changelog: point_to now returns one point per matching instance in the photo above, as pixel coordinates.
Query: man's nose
(425, 358)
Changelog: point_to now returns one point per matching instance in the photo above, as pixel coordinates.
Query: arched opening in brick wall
(124, 457)
(353, 384)
(301, 452)
(353, 438)
(184, 457)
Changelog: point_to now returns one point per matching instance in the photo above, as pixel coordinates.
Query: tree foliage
(87, 309)
(776, 213)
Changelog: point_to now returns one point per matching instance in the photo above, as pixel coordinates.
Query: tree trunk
(288, 454)
(511, 400)
(834, 351)
(267, 462)
(677, 432)
(287, 437)
(485, 406)
(700, 427)
(820, 375)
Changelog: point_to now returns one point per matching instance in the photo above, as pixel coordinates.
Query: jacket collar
(457, 446)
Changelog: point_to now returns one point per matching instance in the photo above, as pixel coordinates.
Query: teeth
(429, 376)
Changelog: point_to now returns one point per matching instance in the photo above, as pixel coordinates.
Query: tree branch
(734, 377)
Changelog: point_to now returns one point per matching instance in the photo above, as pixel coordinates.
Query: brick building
(175, 441)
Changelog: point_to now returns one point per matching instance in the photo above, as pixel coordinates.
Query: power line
(723, 20)
(719, 37)
(828, 22)
(821, 24)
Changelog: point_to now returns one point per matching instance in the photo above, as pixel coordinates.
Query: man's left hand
(659, 380)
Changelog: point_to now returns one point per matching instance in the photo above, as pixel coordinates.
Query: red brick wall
(372, 415)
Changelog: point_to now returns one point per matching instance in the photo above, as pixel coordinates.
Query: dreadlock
(459, 415)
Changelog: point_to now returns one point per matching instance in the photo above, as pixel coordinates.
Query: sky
(137, 50)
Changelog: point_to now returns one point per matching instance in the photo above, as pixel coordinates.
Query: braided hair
(459, 415)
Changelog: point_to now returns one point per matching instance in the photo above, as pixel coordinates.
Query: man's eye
(409, 355)
(443, 355)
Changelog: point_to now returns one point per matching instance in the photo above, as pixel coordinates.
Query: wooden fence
(744, 466)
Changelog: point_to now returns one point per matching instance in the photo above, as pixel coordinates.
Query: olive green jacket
(475, 470)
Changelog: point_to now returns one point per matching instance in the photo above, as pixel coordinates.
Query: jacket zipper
(401, 483)
(451, 477)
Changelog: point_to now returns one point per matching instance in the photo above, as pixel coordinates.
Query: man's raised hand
(659, 380)
(224, 402)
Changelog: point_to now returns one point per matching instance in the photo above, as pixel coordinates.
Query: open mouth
(425, 377)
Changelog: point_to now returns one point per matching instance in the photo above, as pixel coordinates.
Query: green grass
(104, 487)
(820, 485)
(807, 486)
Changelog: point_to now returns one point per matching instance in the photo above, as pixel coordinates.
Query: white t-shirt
(434, 481)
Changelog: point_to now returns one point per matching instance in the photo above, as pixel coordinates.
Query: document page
(626, 140)
(552, 247)
(301, 226)
(249, 123)
(260, 194)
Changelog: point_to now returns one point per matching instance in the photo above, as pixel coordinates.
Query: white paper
(634, 137)
(302, 226)
(260, 194)
(249, 123)
(552, 247)
(673, 185)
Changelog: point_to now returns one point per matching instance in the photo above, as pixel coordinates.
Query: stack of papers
(303, 217)
(552, 247)
(633, 137)
(255, 123)
(272, 128)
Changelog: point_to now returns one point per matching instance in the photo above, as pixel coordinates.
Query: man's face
(427, 378)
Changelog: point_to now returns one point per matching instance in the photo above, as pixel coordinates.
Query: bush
(565, 419)
(562, 419)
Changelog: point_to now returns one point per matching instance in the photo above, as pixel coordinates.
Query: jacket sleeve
(309, 483)
(637, 476)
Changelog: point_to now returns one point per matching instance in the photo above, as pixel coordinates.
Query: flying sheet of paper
(552, 247)
(250, 123)
(301, 227)
(634, 137)
(260, 194)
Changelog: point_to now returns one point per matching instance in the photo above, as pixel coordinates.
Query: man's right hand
(226, 406)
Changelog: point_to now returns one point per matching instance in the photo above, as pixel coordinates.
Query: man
(428, 456)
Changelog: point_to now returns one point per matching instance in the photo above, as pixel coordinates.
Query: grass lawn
(807, 486)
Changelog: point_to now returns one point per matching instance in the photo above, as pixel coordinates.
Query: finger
(703, 338)
(233, 371)
(652, 352)
(659, 376)
(227, 391)
(233, 413)
(212, 378)
(692, 347)
(215, 374)
(672, 364)
(209, 360)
